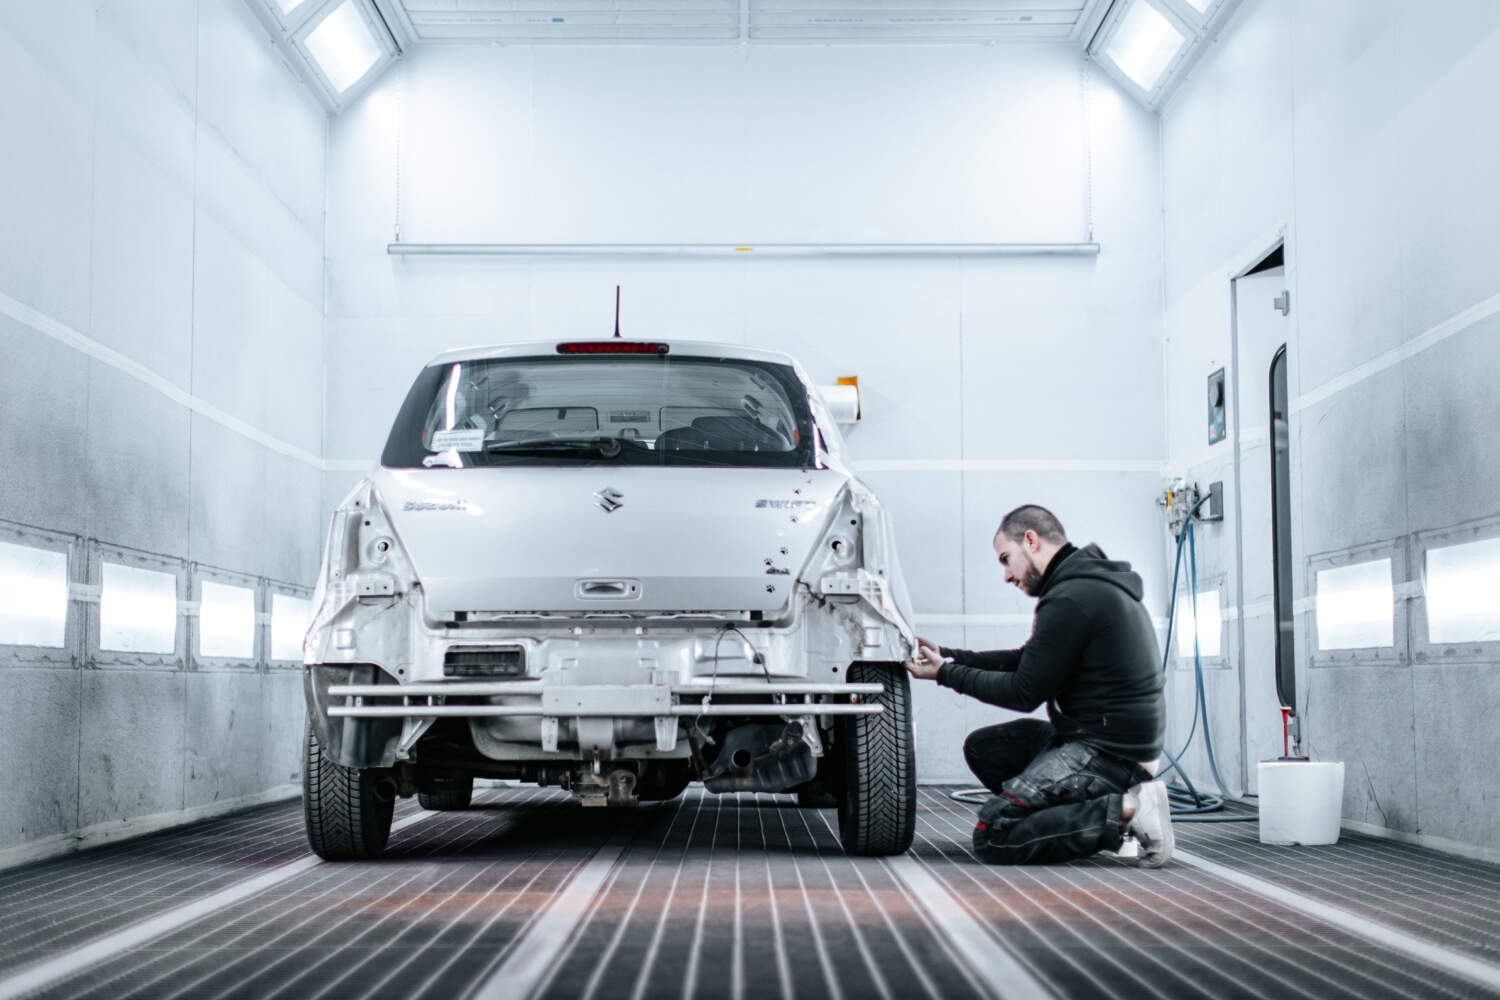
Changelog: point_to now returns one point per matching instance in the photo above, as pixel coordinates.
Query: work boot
(1151, 826)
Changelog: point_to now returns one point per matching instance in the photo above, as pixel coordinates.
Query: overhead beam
(761, 249)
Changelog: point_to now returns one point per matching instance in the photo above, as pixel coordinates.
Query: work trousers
(1054, 801)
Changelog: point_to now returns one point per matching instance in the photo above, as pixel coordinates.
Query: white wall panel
(142, 261)
(292, 367)
(136, 465)
(927, 512)
(894, 324)
(712, 144)
(228, 499)
(146, 61)
(44, 411)
(258, 108)
(233, 192)
(291, 516)
(229, 323)
(45, 194)
(59, 36)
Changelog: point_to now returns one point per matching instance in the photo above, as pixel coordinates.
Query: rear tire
(347, 811)
(448, 794)
(877, 797)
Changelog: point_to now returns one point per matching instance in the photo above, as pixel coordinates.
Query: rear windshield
(630, 410)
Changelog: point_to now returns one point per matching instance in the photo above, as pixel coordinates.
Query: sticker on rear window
(459, 439)
(630, 417)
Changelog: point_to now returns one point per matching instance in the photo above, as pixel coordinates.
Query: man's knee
(972, 744)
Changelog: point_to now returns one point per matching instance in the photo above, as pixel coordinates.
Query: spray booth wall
(1351, 130)
(161, 290)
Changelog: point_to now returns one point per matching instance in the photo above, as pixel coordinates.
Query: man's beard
(1031, 580)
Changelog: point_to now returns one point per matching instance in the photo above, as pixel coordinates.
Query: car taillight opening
(612, 347)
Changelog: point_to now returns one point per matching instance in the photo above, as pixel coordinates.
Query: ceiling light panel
(343, 46)
(935, 20)
(756, 20)
(1144, 45)
(574, 20)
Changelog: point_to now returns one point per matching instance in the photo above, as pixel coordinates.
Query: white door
(1262, 330)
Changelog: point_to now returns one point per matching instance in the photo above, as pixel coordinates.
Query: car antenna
(617, 312)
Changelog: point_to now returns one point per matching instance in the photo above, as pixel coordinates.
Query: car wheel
(347, 810)
(448, 793)
(878, 791)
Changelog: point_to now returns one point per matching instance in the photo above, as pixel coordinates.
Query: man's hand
(928, 661)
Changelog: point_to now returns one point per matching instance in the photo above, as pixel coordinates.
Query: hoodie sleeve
(1042, 666)
(991, 659)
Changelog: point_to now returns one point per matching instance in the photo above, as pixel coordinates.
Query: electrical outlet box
(1213, 510)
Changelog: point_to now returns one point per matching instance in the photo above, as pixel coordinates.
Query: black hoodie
(1092, 657)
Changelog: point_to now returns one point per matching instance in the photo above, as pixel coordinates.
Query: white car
(615, 567)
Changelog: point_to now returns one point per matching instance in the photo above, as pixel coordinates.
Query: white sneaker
(1152, 823)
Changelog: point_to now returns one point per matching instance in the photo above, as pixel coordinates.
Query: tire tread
(878, 801)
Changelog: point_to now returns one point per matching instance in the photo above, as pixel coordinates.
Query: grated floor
(732, 896)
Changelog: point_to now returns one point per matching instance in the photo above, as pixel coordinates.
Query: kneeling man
(1080, 782)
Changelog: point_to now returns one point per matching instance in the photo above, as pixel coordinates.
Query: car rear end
(610, 566)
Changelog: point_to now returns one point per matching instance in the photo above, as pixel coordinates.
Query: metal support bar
(754, 249)
(441, 689)
(791, 710)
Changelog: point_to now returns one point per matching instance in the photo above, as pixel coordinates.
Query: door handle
(607, 590)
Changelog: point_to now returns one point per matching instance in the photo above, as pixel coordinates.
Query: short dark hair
(1031, 517)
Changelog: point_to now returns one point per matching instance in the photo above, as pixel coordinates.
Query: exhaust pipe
(761, 757)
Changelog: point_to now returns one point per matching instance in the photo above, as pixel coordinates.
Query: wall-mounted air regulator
(1181, 497)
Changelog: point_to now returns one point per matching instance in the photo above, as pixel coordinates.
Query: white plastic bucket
(1301, 802)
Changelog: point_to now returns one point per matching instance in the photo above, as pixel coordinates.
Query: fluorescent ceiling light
(1206, 625)
(226, 621)
(1462, 584)
(287, 6)
(1144, 44)
(1201, 5)
(1356, 606)
(33, 596)
(137, 610)
(290, 617)
(343, 46)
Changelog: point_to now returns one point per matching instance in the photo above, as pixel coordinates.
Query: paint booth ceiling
(772, 21)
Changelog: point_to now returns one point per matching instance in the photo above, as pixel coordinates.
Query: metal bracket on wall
(1283, 302)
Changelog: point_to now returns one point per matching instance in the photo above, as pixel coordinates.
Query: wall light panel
(226, 621)
(1356, 606)
(1207, 625)
(33, 596)
(137, 610)
(290, 617)
(1463, 592)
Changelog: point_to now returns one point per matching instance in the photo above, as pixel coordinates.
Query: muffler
(762, 757)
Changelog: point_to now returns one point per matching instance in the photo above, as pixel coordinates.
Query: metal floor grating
(728, 896)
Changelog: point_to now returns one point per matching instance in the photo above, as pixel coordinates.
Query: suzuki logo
(609, 499)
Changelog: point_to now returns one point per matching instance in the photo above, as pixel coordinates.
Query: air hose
(1189, 805)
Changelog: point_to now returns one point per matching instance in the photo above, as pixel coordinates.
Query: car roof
(688, 348)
